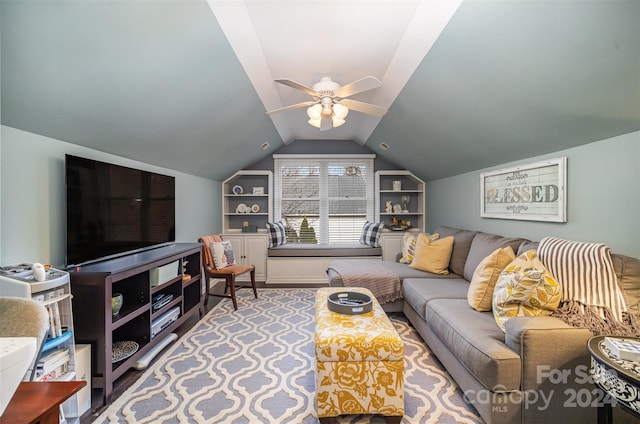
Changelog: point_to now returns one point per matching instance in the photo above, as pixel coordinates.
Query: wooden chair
(229, 273)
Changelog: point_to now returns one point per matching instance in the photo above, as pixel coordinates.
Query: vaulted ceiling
(185, 84)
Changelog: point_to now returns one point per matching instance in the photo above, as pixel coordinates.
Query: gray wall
(320, 147)
(32, 197)
(603, 198)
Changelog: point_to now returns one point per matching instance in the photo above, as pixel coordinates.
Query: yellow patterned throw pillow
(486, 275)
(409, 245)
(432, 256)
(525, 288)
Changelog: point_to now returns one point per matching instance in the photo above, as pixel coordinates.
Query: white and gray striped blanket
(591, 295)
(383, 283)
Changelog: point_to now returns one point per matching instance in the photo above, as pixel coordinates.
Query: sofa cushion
(432, 255)
(628, 272)
(483, 245)
(474, 338)
(323, 250)
(484, 279)
(418, 291)
(461, 246)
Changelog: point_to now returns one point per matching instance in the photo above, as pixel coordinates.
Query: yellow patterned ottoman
(359, 362)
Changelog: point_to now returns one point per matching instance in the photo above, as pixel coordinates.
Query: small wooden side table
(39, 402)
(617, 377)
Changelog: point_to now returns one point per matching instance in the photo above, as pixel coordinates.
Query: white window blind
(324, 199)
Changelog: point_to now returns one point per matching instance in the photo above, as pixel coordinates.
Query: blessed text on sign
(534, 192)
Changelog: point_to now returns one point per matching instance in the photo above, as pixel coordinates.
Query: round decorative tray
(350, 303)
(122, 350)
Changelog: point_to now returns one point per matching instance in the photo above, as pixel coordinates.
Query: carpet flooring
(256, 365)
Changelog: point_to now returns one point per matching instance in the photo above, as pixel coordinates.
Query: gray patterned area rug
(256, 365)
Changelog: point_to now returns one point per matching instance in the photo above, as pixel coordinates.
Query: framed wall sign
(535, 192)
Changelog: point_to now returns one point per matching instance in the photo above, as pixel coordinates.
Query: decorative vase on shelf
(116, 303)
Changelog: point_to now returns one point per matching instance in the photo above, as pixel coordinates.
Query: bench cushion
(324, 250)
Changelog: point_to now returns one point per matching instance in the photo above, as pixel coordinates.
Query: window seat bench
(307, 263)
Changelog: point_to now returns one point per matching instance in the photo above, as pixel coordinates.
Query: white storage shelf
(55, 295)
(411, 186)
(241, 204)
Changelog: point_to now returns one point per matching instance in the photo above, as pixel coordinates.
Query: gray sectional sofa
(533, 372)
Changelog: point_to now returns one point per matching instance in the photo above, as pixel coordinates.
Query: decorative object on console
(39, 273)
(122, 350)
(116, 303)
(371, 233)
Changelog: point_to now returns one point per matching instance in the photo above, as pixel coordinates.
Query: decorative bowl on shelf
(116, 303)
(398, 227)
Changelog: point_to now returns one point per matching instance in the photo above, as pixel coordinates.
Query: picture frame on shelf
(258, 190)
(534, 192)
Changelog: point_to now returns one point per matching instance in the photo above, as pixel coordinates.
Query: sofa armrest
(555, 369)
(552, 352)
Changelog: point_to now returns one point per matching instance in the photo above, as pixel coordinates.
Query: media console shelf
(173, 271)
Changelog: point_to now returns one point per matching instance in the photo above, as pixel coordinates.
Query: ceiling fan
(330, 105)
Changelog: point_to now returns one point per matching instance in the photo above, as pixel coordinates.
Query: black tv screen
(113, 210)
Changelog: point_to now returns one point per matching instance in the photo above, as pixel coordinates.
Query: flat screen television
(113, 210)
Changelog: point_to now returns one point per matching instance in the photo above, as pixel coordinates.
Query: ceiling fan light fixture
(337, 121)
(340, 111)
(315, 122)
(314, 112)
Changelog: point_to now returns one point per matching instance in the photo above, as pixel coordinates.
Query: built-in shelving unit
(390, 188)
(246, 201)
(172, 273)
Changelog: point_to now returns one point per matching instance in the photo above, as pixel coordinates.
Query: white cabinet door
(250, 249)
(255, 248)
(391, 245)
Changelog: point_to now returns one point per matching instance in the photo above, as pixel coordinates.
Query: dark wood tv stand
(133, 276)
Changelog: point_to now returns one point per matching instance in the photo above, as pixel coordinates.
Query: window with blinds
(323, 199)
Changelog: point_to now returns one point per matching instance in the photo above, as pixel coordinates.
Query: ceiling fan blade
(291, 107)
(298, 86)
(326, 123)
(364, 84)
(363, 107)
